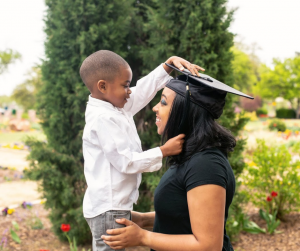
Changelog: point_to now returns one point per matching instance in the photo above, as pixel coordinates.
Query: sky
(273, 25)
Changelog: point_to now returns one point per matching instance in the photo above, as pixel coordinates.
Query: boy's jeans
(101, 223)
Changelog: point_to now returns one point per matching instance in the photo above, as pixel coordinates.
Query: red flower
(269, 198)
(274, 194)
(274, 124)
(65, 227)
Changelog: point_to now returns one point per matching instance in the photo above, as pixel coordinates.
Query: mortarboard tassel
(184, 121)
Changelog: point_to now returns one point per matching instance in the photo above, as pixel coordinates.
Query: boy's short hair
(101, 65)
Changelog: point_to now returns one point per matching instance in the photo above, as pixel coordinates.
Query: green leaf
(278, 232)
(14, 236)
(253, 228)
(263, 215)
(15, 225)
(74, 244)
(273, 226)
(235, 224)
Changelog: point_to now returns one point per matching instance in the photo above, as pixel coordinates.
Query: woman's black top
(170, 198)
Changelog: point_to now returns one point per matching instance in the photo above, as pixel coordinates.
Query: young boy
(114, 159)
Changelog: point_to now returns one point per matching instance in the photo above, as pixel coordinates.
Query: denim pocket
(120, 215)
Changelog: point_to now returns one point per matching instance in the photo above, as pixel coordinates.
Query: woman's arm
(206, 208)
(143, 220)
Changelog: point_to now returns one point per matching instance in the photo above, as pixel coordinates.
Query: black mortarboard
(204, 91)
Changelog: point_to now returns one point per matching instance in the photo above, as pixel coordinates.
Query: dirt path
(13, 189)
(13, 158)
(16, 192)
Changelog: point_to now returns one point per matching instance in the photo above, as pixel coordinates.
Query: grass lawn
(12, 137)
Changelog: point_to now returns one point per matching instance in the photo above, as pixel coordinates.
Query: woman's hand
(181, 63)
(137, 218)
(131, 235)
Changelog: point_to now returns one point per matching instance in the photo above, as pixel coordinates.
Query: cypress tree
(74, 29)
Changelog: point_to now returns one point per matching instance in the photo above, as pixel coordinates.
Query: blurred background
(251, 45)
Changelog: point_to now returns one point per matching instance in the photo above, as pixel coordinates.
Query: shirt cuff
(156, 160)
(161, 76)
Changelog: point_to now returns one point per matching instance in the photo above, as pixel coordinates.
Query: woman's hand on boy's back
(181, 63)
(137, 218)
(143, 220)
(173, 146)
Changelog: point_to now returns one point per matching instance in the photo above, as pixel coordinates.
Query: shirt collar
(101, 103)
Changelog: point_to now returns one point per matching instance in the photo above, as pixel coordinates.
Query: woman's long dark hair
(203, 131)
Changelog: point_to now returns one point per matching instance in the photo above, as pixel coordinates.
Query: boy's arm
(147, 87)
(115, 144)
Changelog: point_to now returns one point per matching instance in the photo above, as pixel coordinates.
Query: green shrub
(272, 179)
(296, 147)
(285, 113)
(236, 216)
(261, 111)
(277, 124)
(25, 115)
(35, 126)
(62, 185)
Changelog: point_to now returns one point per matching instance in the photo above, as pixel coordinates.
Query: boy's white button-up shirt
(113, 155)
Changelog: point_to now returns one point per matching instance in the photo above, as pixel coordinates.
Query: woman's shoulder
(211, 162)
(208, 155)
(209, 166)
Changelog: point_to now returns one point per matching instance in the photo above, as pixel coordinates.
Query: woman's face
(162, 109)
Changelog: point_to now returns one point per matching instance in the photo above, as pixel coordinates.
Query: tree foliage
(4, 100)
(75, 29)
(244, 71)
(25, 93)
(8, 57)
(282, 81)
(145, 33)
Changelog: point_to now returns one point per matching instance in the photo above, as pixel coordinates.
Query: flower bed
(31, 238)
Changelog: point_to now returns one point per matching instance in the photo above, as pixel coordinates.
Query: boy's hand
(181, 63)
(173, 146)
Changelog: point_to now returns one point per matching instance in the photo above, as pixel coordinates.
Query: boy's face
(118, 91)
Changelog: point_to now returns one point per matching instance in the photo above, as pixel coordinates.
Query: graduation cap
(204, 91)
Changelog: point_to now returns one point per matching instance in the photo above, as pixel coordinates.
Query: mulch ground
(288, 240)
(35, 240)
(31, 239)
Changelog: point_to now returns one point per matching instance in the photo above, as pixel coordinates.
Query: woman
(193, 197)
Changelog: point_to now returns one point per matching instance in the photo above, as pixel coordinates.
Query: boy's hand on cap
(173, 146)
(181, 64)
